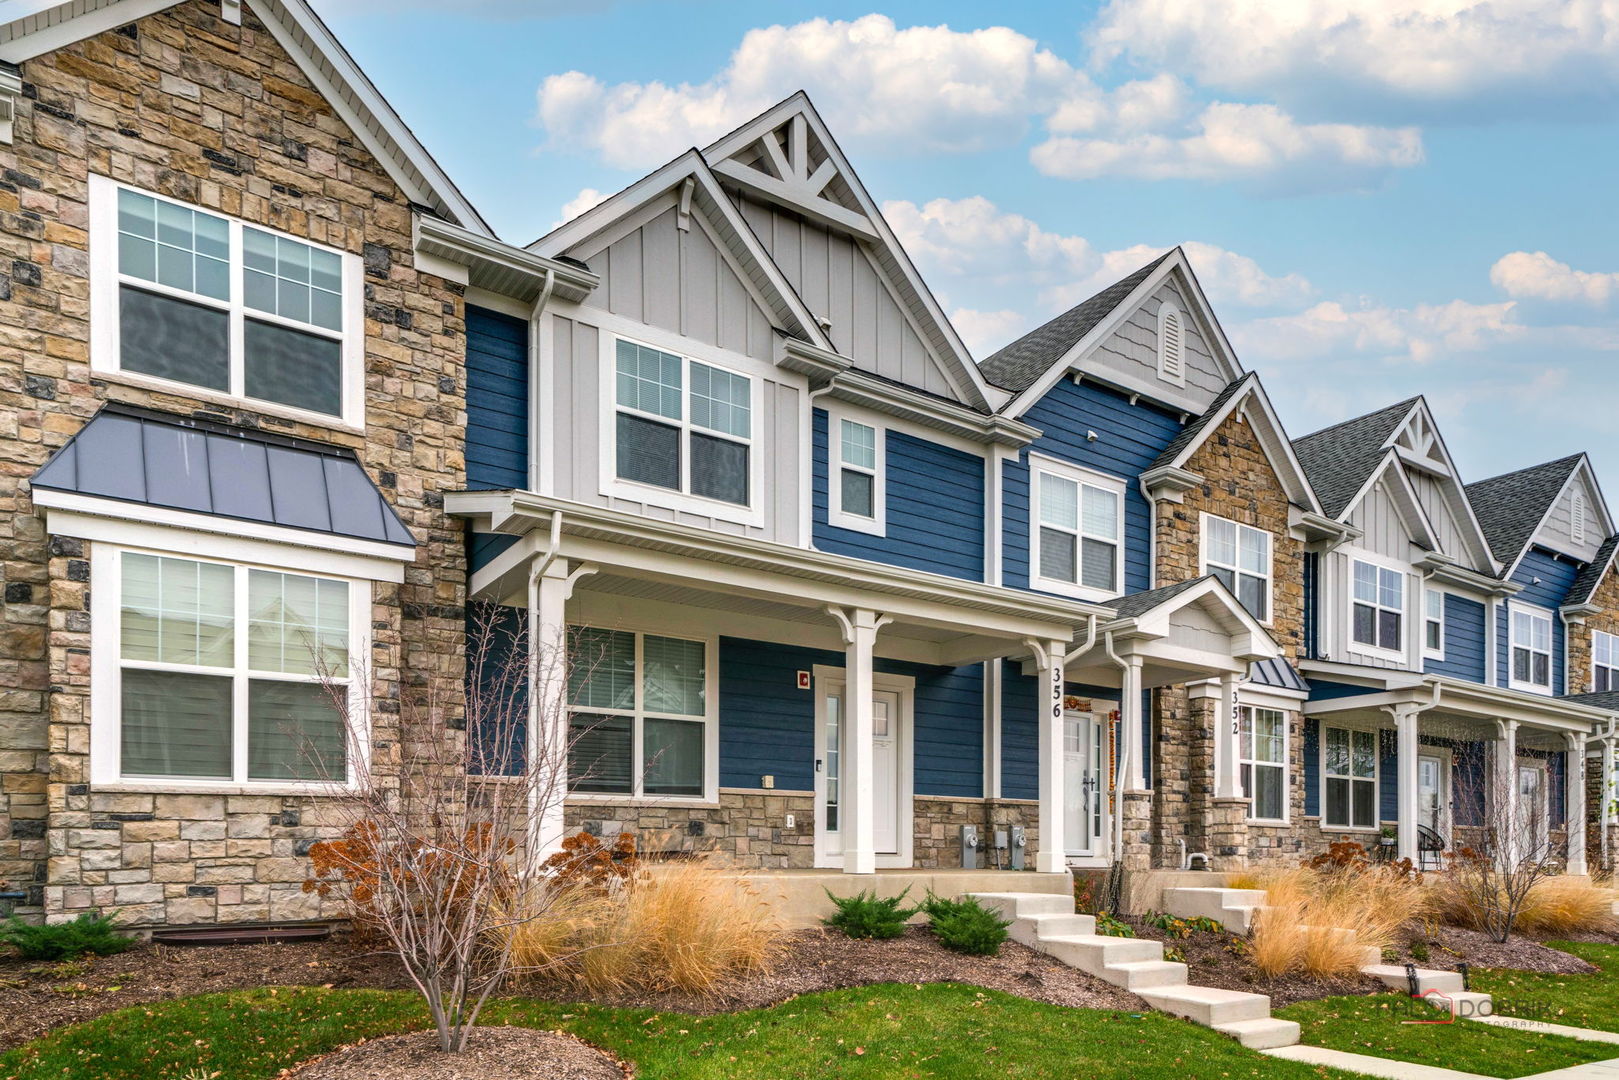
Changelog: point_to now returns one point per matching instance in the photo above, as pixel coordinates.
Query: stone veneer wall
(220, 116)
(1578, 665)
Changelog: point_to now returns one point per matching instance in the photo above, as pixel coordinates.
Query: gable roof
(1511, 507)
(1340, 459)
(36, 27)
(1138, 603)
(1591, 574)
(1018, 366)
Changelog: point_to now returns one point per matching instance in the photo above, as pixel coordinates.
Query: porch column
(1406, 743)
(1135, 776)
(1227, 741)
(1505, 810)
(860, 626)
(1052, 855)
(548, 589)
(1574, 803)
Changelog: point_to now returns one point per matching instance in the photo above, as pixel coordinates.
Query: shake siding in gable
(935, 507)
(1464, 640)
(1128, 439)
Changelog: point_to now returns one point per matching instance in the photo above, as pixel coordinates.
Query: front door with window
(1533, 825)
(890, 803)
(1084, 800)
(1432, 801)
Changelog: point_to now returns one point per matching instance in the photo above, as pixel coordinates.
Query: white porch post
(1053, 853)
(548, 588)
(1135, 776)
(1406, 743)
(1227, 741)
(860, 626)
(1574, 803)
(1506, 784)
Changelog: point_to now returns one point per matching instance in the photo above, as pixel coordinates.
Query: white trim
(1172, 365)
(1543, 766)
(1535, 612)
(94, 518)
(107, 283)
(826, 677)
(1429, 652)
(613, 486)
(1286, 764)
(1447, 766)
(62, 32)
(836, 516)
(1269, 575)
(1402, 654)
(1077, 474)
(1376, 777)
(493, 301)
(106, 666)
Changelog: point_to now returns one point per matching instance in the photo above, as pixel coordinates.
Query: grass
(871, 1033)
(1575, 1000)
(1373, 1025)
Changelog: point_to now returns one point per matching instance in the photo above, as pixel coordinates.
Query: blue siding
(1312, 765)
(767, 724)
(1312, 617)
(1128, 439)
(1322, 690)
(1464, 640)
(1545, 580)
(1020, 729)
(497, 401)
(1388, 779)
(934, 507)
(498, 668)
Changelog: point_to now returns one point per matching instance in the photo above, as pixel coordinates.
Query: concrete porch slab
(799, 896)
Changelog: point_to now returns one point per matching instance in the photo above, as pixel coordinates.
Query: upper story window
(1239, 556)
(1171, 344)
(1264, 762)
(1077, 530)
(1531, 649)
(1604, 661)
(1349, 772)
(683, 425)
(1378, 606)
(203, 301)
(1433, 623)
(856, 487)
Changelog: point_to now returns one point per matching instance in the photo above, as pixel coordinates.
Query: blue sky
(1382, 197)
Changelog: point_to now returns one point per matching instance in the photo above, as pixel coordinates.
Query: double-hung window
(1433, 623)
(1240, 557)
(1349, 769)
(204, 301)
(856, 484)
(639, 714)
(1604, 661)
(1077, 530)
(1531, 649)
(682, 425)
(1264, 762)
(1379, 606)
(229, 673)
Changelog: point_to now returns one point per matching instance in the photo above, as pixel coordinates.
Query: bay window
(1263, 762)
(1349, 771)
(1604, 661)
(201, 300)
(1240, 557)
(1379, 606)
(639, 714)
(1531, 649)
(682, 425)
(1076, 531)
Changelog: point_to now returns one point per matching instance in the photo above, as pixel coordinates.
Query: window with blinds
(1076, 531)
(682, 425)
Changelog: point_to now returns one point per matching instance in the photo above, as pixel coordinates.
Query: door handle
(817, 764)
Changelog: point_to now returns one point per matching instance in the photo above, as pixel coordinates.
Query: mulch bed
(1451, 946)
(1214, 960)
(492, 1053)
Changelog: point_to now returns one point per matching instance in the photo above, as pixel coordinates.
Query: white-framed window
(1604, 661)
(1263, 762)
(1377, 606)
(1349, 778)
(1531, 649)
(1076, 530)
(641, 715)
(856, 492)
(682, 425)
(183, 297)
(1240, 556)
(1171, 344)
(1433, 623)
(1576, 518)
(221, 674)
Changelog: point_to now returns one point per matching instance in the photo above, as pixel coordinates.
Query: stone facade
(1578, 666)
(216, 115)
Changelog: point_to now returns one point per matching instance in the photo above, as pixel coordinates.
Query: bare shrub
(1486, 887)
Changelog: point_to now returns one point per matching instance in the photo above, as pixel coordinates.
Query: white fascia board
(858, 388)
(465, 247)
(1205, 311)
(1540, 525)
(37, 29)
(1278, 449)
(1236, 619)
(1456, 491)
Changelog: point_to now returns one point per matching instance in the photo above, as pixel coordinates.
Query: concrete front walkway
(1390, 1069)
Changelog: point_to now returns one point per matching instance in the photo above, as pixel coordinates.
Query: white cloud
(1228, 278)
(986, 331)
(927, 88)
(1538, 276)
(1419, 334)
(1240, 142)
(1412, 54)
(587, 199)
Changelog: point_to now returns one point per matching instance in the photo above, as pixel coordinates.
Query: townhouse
(848, 601)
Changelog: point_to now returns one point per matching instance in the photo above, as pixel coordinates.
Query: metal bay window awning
(160, 469)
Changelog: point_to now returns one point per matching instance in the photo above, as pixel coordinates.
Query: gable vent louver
(1171, 345)
(1576, 519)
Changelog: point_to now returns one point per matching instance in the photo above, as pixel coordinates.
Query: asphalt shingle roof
(1590, 575)
(1194, 430)
(1139, 603)
(1510, 507)
(1017, 366)
(1337, 460)
(1605, 699)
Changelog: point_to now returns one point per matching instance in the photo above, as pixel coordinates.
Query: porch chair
(1430, 849)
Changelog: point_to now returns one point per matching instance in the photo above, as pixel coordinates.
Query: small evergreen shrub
(866, 915)
(89, 933)
(965, 926)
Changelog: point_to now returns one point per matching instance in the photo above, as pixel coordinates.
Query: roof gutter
(500, 267)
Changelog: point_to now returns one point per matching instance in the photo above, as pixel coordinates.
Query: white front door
(890, 800)
(1432, 804)
(1533, 823)
(1083, 798)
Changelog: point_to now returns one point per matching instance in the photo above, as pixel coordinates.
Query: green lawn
(1373, 1025)
(1588, 1001)
(938, 1030)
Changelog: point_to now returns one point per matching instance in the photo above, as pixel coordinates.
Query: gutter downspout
(1120, 767)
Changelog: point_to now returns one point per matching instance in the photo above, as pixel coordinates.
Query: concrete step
(1266, 1034)
(1093, 952)
(1047, 926)
(1393, 975)
(1233, 909)
(1139, 974)
(1208, 1005)
(1016, 905)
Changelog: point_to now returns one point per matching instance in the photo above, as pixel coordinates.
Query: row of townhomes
(859, 601)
